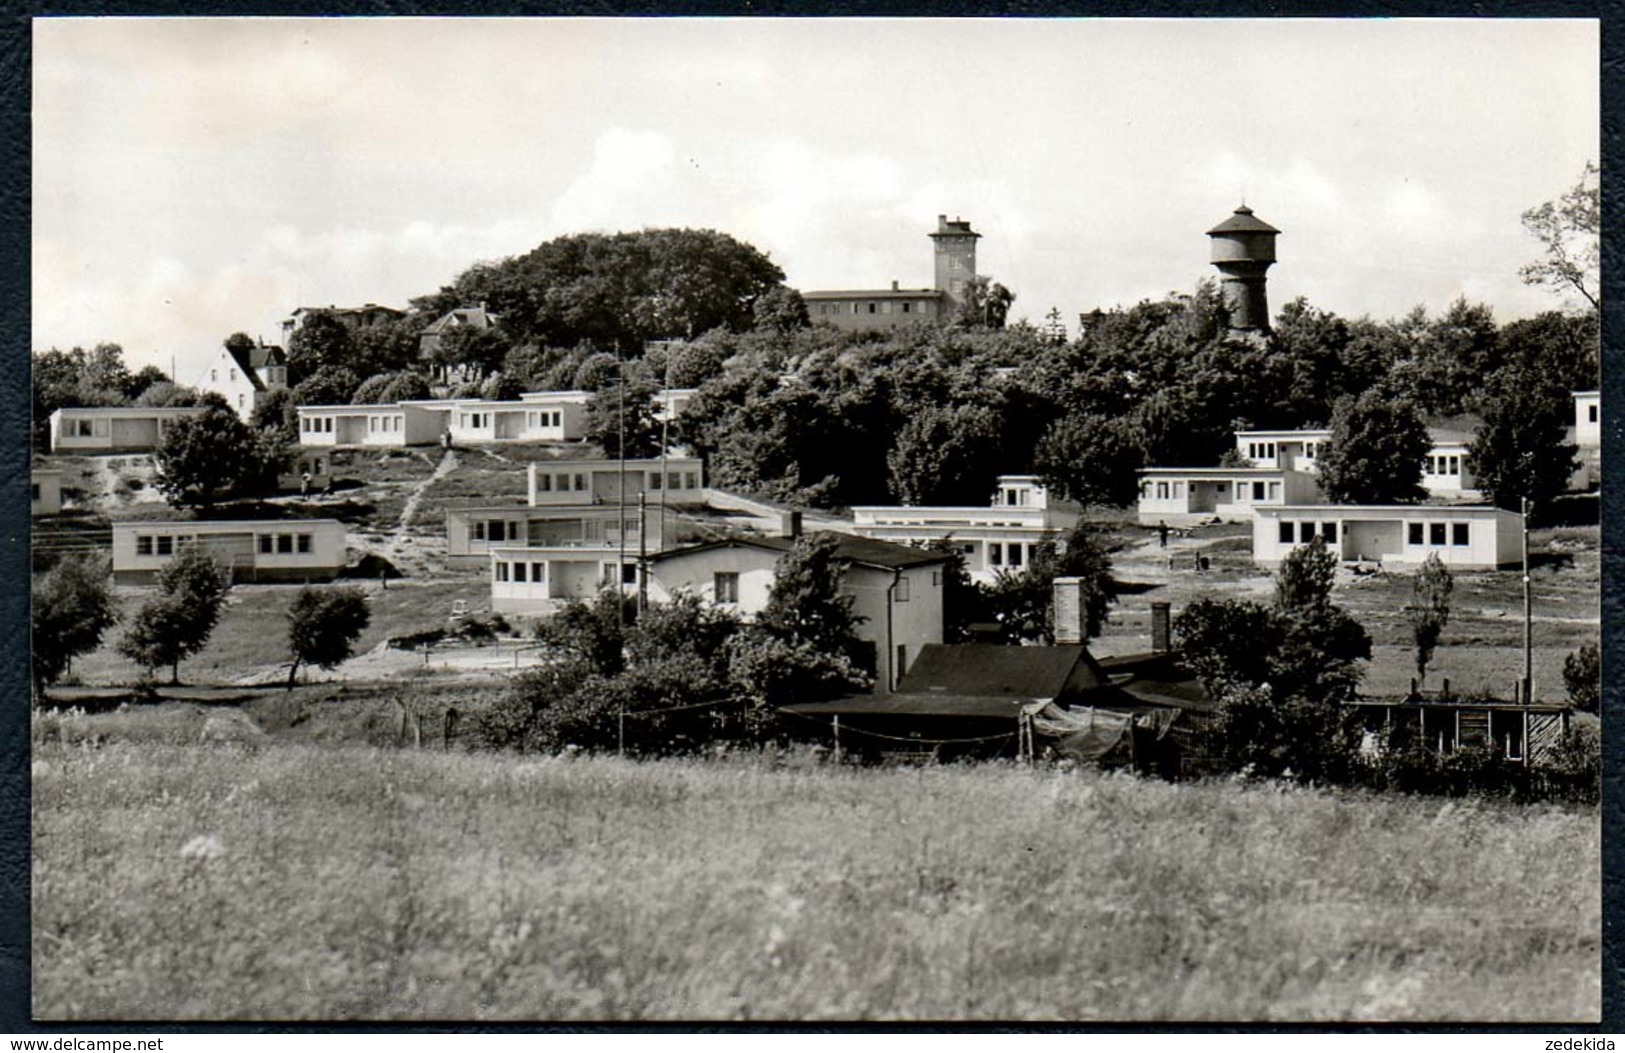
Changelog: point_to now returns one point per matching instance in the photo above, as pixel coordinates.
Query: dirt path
(395, 551)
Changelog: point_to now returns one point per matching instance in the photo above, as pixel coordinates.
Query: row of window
(535, 573)
(506, 530)
(267, 544)
(1443, 464)
(544, 419)
(1305, 531)
(1009, 553)
(1260, 490)
(1439, 534)
(565, 482)
(871, 307)
(311, 425)
(1266, 450)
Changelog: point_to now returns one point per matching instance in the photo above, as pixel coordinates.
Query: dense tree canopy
(1375, 453)
(1521, 449)
(214, 455)
(618, 290)
(69, 610)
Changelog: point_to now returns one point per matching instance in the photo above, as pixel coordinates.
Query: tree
(277, 414)
(1519, 450)
(1090, 459)
(690, 365)
(986, 304)
(946, 455)
(807, 602)
(1582, 678)
(614, 417)
(208, 457)
(328, 386)
(591, 634)
(321, 342)
(1023, 601)
(1429, 610)
(780, 310)
(323, 626)
(1569, 230)
(69, 610)
(164, 393)
(1375, 453)
(176, 623)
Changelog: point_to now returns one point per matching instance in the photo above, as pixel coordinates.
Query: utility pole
(643, 551)
(620, 524)
(1526, 686)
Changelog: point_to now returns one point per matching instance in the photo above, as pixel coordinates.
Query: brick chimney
(1069, 627)
(790, 524)
(1161, 641)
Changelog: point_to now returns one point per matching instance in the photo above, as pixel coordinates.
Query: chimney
(790, 524)
(1069, 627)
(894, 285)
(530, 480)
(1160, 642)
(942, 222)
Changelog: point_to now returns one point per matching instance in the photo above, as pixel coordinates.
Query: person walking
(1162, 533)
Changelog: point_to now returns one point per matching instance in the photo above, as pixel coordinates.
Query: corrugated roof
(1242, 221)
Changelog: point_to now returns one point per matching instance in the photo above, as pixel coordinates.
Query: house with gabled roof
(477, 318)
(896, 590)
(243, 376)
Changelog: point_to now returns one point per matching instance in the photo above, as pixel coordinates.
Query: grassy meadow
(295, 881)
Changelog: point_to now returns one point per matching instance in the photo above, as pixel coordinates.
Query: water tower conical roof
(1242, 221)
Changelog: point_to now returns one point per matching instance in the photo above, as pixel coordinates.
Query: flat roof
(640, 463)
(872, 294)
(359, 407)
(221, 524)
(1346, 511)
(1216, 470)
(129, 411)
(1587, 394)
(1292, 433)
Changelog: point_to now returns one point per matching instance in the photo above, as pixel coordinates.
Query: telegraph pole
(620, 524)
(1527, 685)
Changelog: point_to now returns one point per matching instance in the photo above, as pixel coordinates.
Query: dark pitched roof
(475, 317)
(869, 552)
(1000, 670)
(873, 294)
(1244, 222)
(256, 358)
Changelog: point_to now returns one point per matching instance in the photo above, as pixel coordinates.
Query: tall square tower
(955, 245)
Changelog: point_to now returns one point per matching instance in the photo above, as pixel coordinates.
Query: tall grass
(298, 882)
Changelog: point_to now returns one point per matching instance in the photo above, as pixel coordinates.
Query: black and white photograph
(756, 521)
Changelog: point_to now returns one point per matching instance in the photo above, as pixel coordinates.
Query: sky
(197, 177)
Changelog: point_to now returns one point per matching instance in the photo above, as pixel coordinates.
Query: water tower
(1243, 249)
(955, 250)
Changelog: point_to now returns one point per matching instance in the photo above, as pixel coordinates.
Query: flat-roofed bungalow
(90, 429)
(383, 425)
(471, 533)
(286, 550)
(1181, 496)
(1466, 537)
(677, 480)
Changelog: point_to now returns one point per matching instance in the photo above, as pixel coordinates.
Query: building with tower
(1243, 249)
(954, 265)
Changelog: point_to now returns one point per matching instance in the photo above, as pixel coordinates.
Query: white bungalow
(389, 425)
(1588, 437)
(45, 492)
(1466, 537)
(1445, 471)
(1181, 496)
(1001, 536)
(529, 579)
(253, 550)
(559, 419)
(90, 429)
(472, 533)
(676, 480)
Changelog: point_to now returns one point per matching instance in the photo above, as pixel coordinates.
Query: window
(1308, 451)
(1455, 465)
(267, 543)
(80, 428)
(995, 554)
(900, 590)
(691, 480)
(233, 373)
(34, 491)
(502, 570)
(538, 572)
(479, 530)
(284, 543)
(143, 544)
(1275, 491)
(166, 545)
(1435, 533)
(907, 306)
(544, 483)
(214, 376)
(1329, 532)
(936, 578)
(1591, 414)
(1014, 553)
(1010, 498)
(498, 530)
(1306, 532)
(1413, 535)
(968, 548)
(654, 480)
(871, 308)
(725, 587)
(519, 571)
(1286, 532)
(1458, 534)
(1162, 491)
(579, 481)
(240, 400)
(629, 573)
(674, 480)
(1258, 491)
(302, 543)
